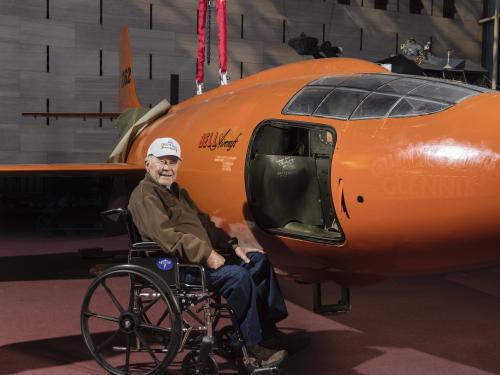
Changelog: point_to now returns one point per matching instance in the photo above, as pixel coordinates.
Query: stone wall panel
(75, 37)
(9, 83)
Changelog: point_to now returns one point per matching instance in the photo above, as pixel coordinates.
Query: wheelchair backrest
(146, 254)
(134, 235)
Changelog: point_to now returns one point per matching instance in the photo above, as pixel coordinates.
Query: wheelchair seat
(137, 316)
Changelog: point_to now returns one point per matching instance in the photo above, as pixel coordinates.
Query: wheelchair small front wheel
(131, 322)
(224, 342)
(190, 365)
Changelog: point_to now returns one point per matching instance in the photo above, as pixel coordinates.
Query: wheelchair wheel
(190, 365)
(130, 321)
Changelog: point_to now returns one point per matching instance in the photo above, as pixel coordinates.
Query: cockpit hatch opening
(288, 178)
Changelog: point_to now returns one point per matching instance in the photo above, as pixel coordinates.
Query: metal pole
(495, 48)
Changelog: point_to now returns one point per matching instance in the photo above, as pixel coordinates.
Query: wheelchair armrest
(146, 245)
(202, 273)
(114, 211)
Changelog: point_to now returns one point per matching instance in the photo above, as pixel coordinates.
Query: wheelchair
(136, 317)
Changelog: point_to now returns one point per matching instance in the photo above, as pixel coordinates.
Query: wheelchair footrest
(138, 350)
(265, 371)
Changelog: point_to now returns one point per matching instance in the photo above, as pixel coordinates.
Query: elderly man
(164, 212)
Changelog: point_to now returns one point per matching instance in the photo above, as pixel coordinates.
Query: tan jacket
(172, 220)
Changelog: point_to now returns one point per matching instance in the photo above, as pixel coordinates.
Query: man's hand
(215, 260)
(243, 251)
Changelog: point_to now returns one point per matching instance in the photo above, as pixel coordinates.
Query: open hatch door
(288, 178)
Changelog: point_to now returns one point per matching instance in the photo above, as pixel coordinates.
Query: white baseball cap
(164, 147)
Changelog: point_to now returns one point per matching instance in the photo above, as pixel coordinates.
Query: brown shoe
(268, 357)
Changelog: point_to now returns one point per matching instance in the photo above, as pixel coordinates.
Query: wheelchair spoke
(101, 316)
(155, 328)
(113, 298)
(163, 316)
(127, 355)
(108, 340)
(131, 294)
(149, 305)
(143, 342)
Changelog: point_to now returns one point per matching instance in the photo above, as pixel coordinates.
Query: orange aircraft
(339, 169)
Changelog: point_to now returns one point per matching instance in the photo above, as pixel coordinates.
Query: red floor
(448, 324)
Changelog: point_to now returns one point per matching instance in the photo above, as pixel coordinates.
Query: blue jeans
(253, 293)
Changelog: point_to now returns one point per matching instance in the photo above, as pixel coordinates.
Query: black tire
(190, 365)
(117, 303)
(225, 347)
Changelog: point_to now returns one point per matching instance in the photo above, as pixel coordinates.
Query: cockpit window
(340, 103)
(330, 81)
(307, 100)
(402, 86)
(369, 82)
(437, 91)
(414, 107)
(375, 105)
(363, 96)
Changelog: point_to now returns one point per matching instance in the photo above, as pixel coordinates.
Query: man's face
(164, 169)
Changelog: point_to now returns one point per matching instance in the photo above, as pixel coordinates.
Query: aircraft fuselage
(409, 195)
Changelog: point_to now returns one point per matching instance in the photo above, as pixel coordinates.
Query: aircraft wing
(69, 168)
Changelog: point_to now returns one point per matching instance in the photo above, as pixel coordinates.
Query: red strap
(202, 12)
(221, 24)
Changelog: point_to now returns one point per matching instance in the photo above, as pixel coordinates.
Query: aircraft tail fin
(128, 98)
